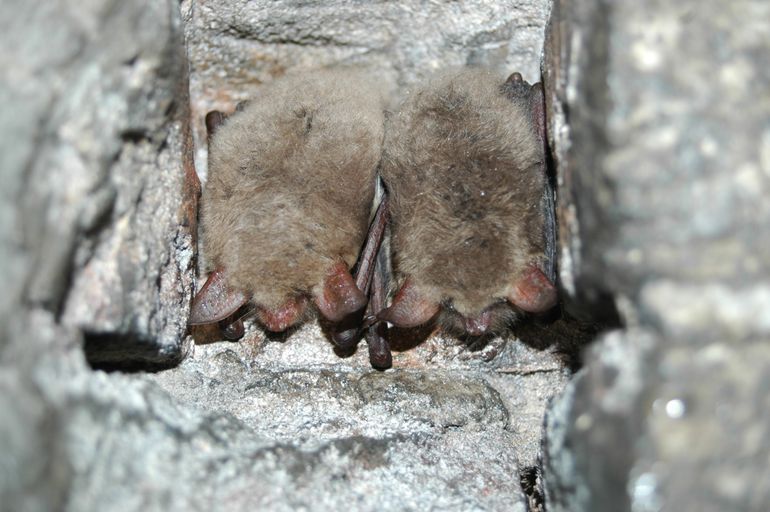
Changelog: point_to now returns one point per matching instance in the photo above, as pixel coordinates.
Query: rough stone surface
(420, 439)
(521, 377)
(242, 438)
(599, 416)
(93, 202)
(659, 127)
(238, 427)
(646, 428)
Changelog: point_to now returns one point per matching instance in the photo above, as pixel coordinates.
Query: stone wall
(97, 224)
(99, 190)
(660, 126)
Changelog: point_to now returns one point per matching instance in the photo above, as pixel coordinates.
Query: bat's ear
(533, 292)
(214, 120)
(409, 308)
(339, 296)
(216, 300)
(529, 96)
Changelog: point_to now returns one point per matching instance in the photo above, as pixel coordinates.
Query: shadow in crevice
(565, 335)
(128, 353)
(532, 485)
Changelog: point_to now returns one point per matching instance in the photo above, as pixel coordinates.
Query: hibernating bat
(287, 203)
(464, 166)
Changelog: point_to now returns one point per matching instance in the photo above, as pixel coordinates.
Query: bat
(286, 207)
(464, 166)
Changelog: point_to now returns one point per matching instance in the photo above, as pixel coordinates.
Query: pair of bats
(292, 180)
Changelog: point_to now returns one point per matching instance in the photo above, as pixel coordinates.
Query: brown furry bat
(288, 199)
(464, 165)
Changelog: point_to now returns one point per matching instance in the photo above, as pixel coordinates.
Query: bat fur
(464, 169)
(291, 183)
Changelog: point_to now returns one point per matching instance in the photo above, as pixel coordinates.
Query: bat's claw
(348, 339)
(370, 320)
(380, 355)
(232, 330)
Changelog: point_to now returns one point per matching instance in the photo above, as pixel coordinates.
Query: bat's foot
(533, 292)
(380, 355)
(346, 340)
(216, 300)
(340, 297)
(479, 324)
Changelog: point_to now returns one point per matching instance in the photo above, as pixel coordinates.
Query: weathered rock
(642, 428)
(707, 429)
(659, 126)
(658, 120)
(521, 378)
(94, 173)
(593, 429)
(382, 441)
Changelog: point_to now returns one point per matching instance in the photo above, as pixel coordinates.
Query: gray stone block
(594, 429)
(95, 227)
(644, 427)
(658, 119)
(238, 438)
(659, 127)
